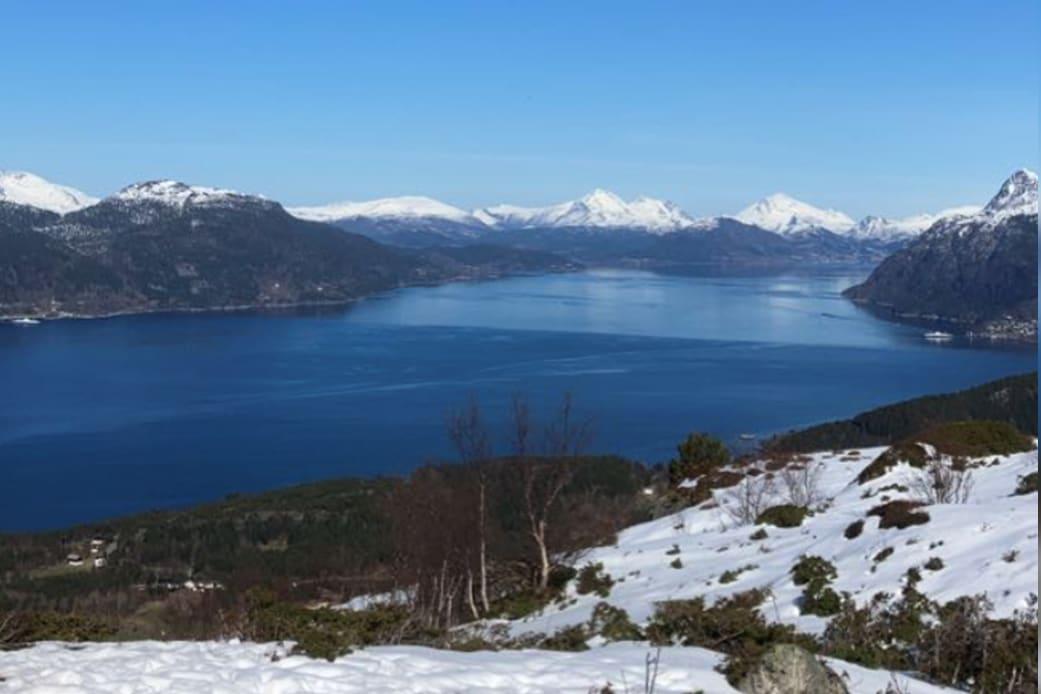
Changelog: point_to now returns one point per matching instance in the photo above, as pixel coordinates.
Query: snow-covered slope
(973, 540)
(405, 207)
(244, 668)
(599, 209)
(29, 189)
(785, 215)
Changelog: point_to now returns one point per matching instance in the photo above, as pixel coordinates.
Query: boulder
(788, 669)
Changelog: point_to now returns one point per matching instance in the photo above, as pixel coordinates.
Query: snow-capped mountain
(970, 269)
(405, 208)
(599, 209)
(1018, 195)
(177, 194)
(785, 215)
(24, 188)
(874, 228)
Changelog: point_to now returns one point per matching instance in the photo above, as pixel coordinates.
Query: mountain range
(163, 245)
(602, 210)
(422, 221)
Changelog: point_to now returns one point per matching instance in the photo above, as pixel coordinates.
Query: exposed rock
(788, 669)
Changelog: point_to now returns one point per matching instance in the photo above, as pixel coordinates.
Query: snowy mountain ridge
(785, 215)
(23, 188)
(598, 209)
(176, 194)
(403, 207)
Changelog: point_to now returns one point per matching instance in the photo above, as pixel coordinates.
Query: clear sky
(871, 107)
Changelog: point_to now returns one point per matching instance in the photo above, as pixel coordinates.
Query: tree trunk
(483, 553)
(540, 541)
(470, 595)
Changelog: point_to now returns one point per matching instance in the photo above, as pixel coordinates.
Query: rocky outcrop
(788, 669)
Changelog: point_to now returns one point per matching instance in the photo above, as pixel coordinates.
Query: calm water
(104, 417)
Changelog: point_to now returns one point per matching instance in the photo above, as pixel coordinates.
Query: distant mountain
(600, 209)
(978, 270)
(164, 245)
(22, 188)
(785, 215)
(882, 229)
(406, 221)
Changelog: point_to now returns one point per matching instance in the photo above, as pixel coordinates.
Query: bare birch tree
(544, 478)
(470, 437)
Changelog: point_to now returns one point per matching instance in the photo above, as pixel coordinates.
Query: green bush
(977, 438)
(759, 534)
(732, 626)
(676, 563)
(899, 514)
(813, 568)
(613, 623)
(906, 452)
(731, 575)
(572, 639)
(29, 627)
(592, 579)
(322, 633)
(783, 516)
(699, 454)
(820, 599)
(934, 564)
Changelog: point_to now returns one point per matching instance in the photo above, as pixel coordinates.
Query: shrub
(854, 529)
(910, 453)
(28, 627)
(977, 438)
(1027, 484)
(812, 568)
(559, 576)
(884, 554)
(942, 483)
(676, 563)
(934, 564)
(783, 516)
(322, 633)
(820, 599)
(732, 626)
(899, 514)
(759, 534)
(673, 551)
(613, 623)
(571, 638)
(699, 454)
(591, 579)
(731, 575)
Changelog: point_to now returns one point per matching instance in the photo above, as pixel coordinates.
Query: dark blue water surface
(104, 417)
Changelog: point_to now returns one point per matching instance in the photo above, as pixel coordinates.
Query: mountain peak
(177, 194)
(24, 188)
(1018, 195)
(784, 214)
(599, 209)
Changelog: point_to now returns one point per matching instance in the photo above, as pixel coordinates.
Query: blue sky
(870, 107)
